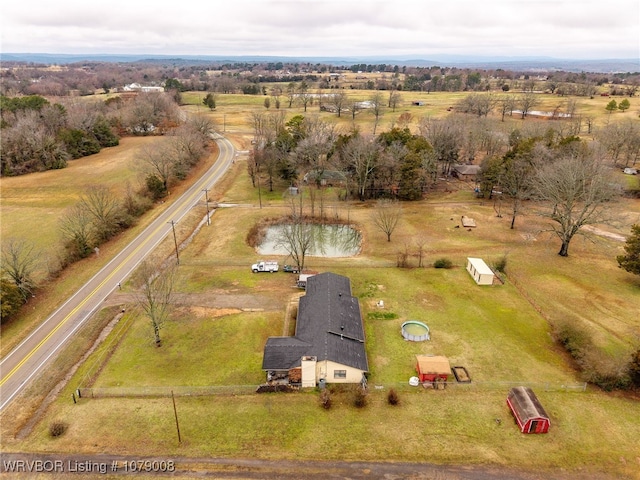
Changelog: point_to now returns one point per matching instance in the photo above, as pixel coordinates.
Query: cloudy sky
(401, 28)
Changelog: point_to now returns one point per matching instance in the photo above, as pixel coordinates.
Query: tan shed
(480, 271)
(432, 367)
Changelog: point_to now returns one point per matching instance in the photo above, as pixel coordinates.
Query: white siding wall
(328, 370)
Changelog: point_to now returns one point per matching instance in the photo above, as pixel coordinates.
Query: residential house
(328, 345)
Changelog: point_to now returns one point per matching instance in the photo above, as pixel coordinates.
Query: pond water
(326, 240)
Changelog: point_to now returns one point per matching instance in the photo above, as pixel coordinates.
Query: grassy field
(501, 334)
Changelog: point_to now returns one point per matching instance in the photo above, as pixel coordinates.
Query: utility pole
(206, 197)
(175, 240)
(175, 413)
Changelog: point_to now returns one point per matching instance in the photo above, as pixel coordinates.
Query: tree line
(89, 78)
(38, 135)
(569, 178)
(101, 213)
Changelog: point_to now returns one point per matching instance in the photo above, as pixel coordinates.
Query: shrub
(325, 399)
(607, 373)
(155, 187)
(443, 263)
(500, 265)
(595, 366)
(392, 397)
(360, 398)
(574, 341)
(382, 315)
(57, 428)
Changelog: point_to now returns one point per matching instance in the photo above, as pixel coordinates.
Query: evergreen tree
(631, 261)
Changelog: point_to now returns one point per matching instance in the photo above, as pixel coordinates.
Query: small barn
(527, 410)
(431, 368)
(466, 172)
(480, 271)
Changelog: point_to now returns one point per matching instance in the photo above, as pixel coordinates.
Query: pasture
(501, 334)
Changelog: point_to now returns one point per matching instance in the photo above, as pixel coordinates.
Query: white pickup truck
(263, 266)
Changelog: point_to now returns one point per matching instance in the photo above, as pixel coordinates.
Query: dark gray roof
(526, 403)
(283, 353)
(329, 327)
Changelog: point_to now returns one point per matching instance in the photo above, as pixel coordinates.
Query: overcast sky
(417, 29)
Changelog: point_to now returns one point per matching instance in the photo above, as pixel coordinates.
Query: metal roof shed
(526, 407)
(432, 367)
(480, 271)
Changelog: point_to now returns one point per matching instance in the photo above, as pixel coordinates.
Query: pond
(326, 240)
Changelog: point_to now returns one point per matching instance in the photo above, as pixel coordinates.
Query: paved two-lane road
(28, 359)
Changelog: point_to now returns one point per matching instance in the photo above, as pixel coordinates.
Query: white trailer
(262, 266)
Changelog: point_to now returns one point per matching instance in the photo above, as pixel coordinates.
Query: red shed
(432, 367)
(526, 407)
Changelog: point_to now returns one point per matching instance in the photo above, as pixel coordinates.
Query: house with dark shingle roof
(328, 345)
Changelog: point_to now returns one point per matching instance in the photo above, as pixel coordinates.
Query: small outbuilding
(528, 411)
(466, 172)
(432, 368)
(480, 271)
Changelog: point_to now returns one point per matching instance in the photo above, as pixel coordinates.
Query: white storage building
(480, 271)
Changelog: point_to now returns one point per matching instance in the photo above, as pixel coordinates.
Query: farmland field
(502, 334)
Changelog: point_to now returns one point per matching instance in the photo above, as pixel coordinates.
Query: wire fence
(177, 391)
(232, 390)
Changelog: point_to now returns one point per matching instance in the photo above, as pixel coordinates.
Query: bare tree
(291, 93)
(527, 101)
(105, 211)
(338, 101)
(360, 158)
(76, 229)
(203, 124)
(305, 97)
(297, 233)
(188, 145)
(446, 137)
(479, 104)
(386, 215)
(354, 107)
(506, 104)
(421, 249)
(621, 139)
(159, 161)
(155, 295)
(19, 262)
(27, 146)
(577, 192)
(376, 109)
(394, 100)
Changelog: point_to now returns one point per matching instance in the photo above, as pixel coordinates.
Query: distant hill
(611, 65)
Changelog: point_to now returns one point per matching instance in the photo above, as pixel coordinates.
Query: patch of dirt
(604, 233)
(204, 312)
(215, 304)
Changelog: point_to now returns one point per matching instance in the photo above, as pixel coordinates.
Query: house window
(339, 374)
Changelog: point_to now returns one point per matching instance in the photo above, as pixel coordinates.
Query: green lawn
(195, 352)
